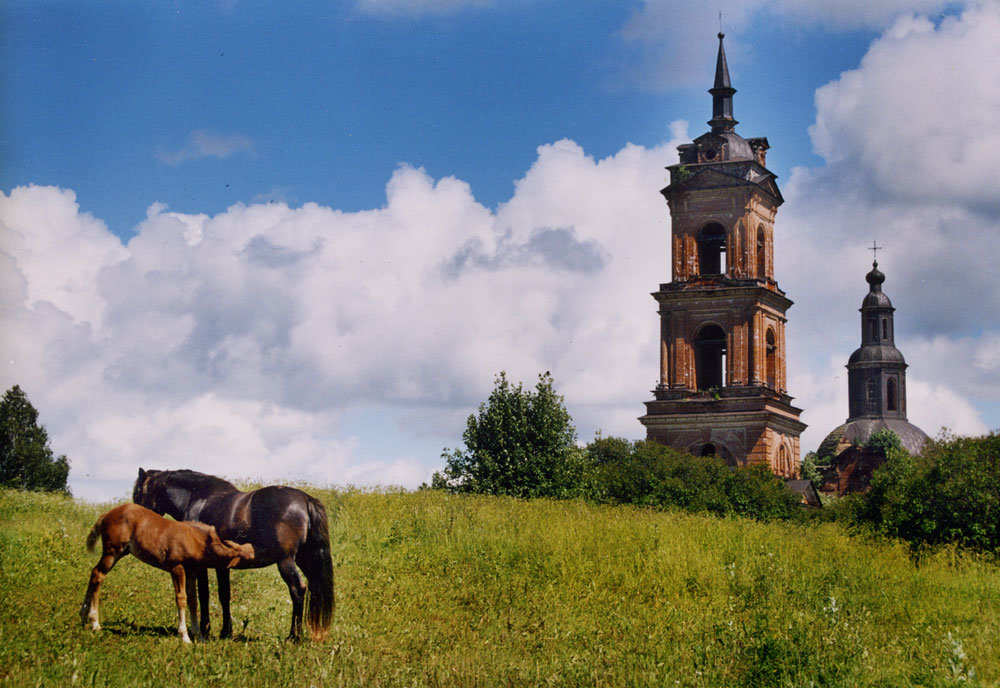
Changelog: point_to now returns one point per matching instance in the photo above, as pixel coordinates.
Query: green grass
(436, 589)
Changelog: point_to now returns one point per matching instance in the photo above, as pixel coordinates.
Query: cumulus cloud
(206, 144)
(248, 343)
(236, 343)
(908, 163)
(662, 43)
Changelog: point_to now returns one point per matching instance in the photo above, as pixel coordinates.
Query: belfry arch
(712, 249)
(710, 357)
(761, 253)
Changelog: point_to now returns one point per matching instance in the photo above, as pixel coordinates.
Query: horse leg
(180, 594)
(222, 576)
(190, 576)
(90, 609)
(297, 590)
(205, 622)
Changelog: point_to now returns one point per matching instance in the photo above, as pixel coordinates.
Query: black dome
(877, 353)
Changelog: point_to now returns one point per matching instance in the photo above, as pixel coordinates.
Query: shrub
(949, 494)
(649, 474)
(520, 444)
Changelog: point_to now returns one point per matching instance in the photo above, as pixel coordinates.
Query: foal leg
(180, 594)
(297, 590)
(222, 577)
(89, 610)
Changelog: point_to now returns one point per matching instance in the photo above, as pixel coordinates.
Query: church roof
(857, 432)
(877, 353)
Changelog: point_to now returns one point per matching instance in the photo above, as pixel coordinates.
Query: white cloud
(663, 42)
(909, 164)
(931, 133)
(206, 144)
(236, 343)
(242, 343)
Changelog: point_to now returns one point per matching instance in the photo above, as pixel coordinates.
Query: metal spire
(722, 94)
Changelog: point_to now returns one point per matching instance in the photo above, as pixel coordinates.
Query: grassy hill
(438, 589)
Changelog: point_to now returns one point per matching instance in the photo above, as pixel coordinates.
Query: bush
(949, 494)
(521, 444)
(649, 474)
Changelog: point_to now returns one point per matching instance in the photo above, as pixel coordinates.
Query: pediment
(705, 177)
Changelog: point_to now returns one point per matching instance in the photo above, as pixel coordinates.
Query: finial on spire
(875, 248)
(722, 93)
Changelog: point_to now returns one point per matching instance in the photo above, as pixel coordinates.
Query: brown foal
(182, 548)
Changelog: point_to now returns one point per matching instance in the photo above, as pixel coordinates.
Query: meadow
(440, 589)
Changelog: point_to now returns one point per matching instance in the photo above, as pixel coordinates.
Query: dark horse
(285, 526)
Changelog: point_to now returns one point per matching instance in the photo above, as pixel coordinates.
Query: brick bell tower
(722, 384)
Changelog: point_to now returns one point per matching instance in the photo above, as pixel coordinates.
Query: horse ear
(142, 474)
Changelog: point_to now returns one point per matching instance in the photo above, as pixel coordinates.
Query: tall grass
(439, 589)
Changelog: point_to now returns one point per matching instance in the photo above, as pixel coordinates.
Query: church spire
(722, 95)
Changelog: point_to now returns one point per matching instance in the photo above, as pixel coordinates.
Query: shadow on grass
(130, 628)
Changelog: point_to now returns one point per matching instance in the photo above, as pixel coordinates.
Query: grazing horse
(285, 526)
(183, 549)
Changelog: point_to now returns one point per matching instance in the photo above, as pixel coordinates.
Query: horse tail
(316, 561)
(94, 533)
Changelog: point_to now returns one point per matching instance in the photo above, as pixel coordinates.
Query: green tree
(521, 443)
(948, 494)
(26, 460)
(810, 468)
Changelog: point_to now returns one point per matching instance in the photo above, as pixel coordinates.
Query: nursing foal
(182, 548)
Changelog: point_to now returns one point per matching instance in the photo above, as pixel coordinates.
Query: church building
(722, 386)
(876, 389)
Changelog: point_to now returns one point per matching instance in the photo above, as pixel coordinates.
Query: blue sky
(322, 102)
(298, 241)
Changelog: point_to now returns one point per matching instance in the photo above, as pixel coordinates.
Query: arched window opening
(891, 395)
(885, 328)
(784, 462)
(711, 249)
(761, 253)
(710, 357)
(771, 359)
(710, 449)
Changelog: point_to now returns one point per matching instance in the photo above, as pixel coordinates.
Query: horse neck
(197, 491)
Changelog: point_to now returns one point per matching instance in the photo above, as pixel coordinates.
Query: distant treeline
(522, 444)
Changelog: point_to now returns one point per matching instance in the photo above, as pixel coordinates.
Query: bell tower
(722, 387)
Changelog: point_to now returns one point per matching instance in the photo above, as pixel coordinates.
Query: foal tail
(316, 561)
(94, 534)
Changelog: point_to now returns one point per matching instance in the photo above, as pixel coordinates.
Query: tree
(26, 460)
(948, 494)
(521, 443)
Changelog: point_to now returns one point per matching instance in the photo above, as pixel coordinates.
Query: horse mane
(193, 481)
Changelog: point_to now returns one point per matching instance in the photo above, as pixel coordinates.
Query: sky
(297, 242)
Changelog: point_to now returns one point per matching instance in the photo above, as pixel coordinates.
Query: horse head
(246, 552)
(148, 492)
